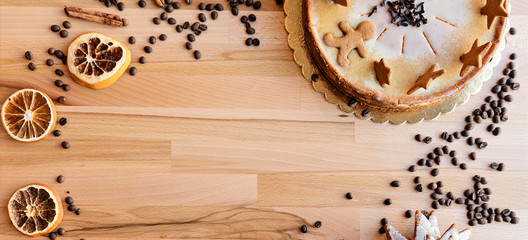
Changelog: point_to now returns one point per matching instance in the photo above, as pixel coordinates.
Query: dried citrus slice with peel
(96, 60)
(29, 115)
(35, 209)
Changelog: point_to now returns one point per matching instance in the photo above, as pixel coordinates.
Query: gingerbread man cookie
(352, 39)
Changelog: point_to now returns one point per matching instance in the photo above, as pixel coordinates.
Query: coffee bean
(453, 153)
(469, 126)
(315, 77)
(133, 71)
(349, 196)
(506, 71)
(63, 33)
(202, 27)
(437, 160)
(55, 28)
(500, 167)
(142, 4)
(395, 183)
(108, 3)
(418, 137)
(419, 188)
(57, 133)
(63, 121)
(256, 42)
(496, 89)
(438, 151)
(214, 15)
(463, 166)
(176, 5)
(387, 201)
(514, 220)
(69, 200)
(459, 201)
(71, 208)
(244, 19)
(52, 236)
(59, 54)
(427, 140)
(60, 179)
(61, 99)
(156, 21)
(28, 55)
(179, 28)
(429, 163)
(191, 37)
(252, 17)
(250, 31)
(65, 145)
(147, 49)
(201, 6)
(435, 205)
(482, 145)
(508, 98)
(497, 131)
(219, 7)
(152, 40)
(188, 46)
(202, 17)
(78, 211)
(420, 162)
(382, 230)
(513, 56)
(432, 186)
(234, 11)
(142, 60)
(435, 172)
(51, 51)
(513, 31)
(364, 113)
(513, 73)
(66, 87)
(257, 5)
(31, 66)
(197, 54)
(66, 24)
(470, 141)
(249, 41)
(384, 221)
(164, 16)
(121, 6)
(352, 102)
(169, 8)
(49, 62)
(168, 1)
(454, 161)
(249, 3)
(408, 214)
(318, 224)
(494, 165)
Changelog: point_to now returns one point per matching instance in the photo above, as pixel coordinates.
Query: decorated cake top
(406, 48)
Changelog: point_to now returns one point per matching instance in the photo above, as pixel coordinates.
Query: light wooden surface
(236, 145)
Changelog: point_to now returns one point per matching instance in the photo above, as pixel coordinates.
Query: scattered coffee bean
(71, 208)
(427, 140)
(179, 28)
(473, 156)
(315, 77)
(28, 55)
(435, 205)
(63, 121)
(68, 200)
(304, 229)
(78, 211)
(152, 40)
(416, 179)
(191, 37)
(147, 49)
(214, 15)
(435, 172)
(142, 4)
(197, 55)
(463, 166)
(63, 33)
(256, 42)
(156, 21)
(65, 145)
(234, 11)
(66, 24)
(176, 5)
(61, 231)
(249, 41)
(51, 51)
(55, 28)
(66, 87)
(52, 236)
(252, 17)
(500, 167)
(408, 214)
(31, 66)
(496, 131)
(202, 17)
(250, 31)
(454, 161)
(219, 7)
(59, 54)
(49, 62)
(57, 133)
(419, 188)
(188, 46)
(171, 21)
(133, 71)
(257, 5)
(169, 8)
(412, 168)
(387, 201)
(318, 224)
(142, 60)
(60, 179)
(395, 183)
(418, 137)
(59, 72)
(513, 31)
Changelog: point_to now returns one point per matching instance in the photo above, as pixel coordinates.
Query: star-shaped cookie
(426, 228)
(474, 56)
(494, 9)
(425, 80)
(383, 72)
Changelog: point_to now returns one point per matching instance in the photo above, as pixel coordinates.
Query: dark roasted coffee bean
(256, 42)
(453, 153)
(50, 62)
(421, 162)
(202, 17)
(257, 5)
(435, 172)
(57, 133)
(234, 11)
(250, 31)
(473, 156)
(51, 51)
(195, 26)
(156, 21)
(437, 160)
(429, 163)
(188, 46)
(171, 21)
(142, 60)
(176, 5)
(31, 66)
(52, 236)
(66, 87)
(142, 4)
(427, 140)
(252, 17)
(315, 77)
(470, 141)
(202, 27)
(55, 28)
(500, 167)
(435, 205)
(59, 54)
(152, 40)
(432, 186)
(508, 98)
(494, 165)
(197, 54)
(121, 6)
(63, 121)
(71, 208)
(249, 3)
(249, 41)
(60, 179)
(28, 55)
(78, 211)
(482, 145)
(63, 33)
(464, 133)
(244, 19)
(191, 37)
(61, 99)
(438, 151)
(497, 131)
(416, 179)
(65, 145)
(68, 200)
(201, 6)
(408, 214)
(439, 191)
(454, 161)
(419, 188)
(387, 201)
(395, 183)
(490, 127)
(219, 7)
(418, 137)
(168, 1)
(304, 229)
(513, 73)
(179, 28)
(463, 166)
(131, 40)
(147, 49)
(459, 201)
(469, 126)
(349, 196)
(214, 15)
(164, 16)
(132, 71)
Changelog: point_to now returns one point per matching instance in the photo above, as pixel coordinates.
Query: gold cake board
(301, 55)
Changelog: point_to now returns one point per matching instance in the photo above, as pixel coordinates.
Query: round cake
(403, 54)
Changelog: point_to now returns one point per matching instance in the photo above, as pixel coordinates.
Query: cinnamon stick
(94, 16)
(160, 3)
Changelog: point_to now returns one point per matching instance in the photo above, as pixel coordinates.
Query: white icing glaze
(464, 235)
(448, 41)
(451, 234)
(395, 235)
(424, 227)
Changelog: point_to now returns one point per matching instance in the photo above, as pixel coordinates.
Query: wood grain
(237, 145)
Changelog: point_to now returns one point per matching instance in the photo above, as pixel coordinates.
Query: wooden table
(238, 144)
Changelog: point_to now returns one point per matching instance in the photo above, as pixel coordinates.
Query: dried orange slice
(29, 115)
(96, 60)
(35, 209)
